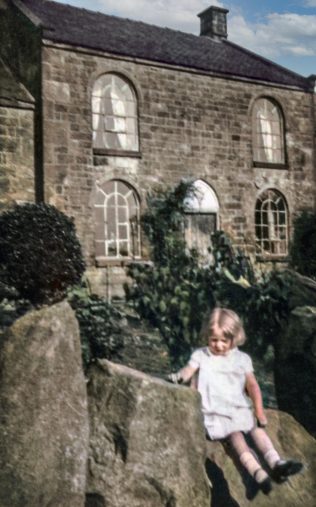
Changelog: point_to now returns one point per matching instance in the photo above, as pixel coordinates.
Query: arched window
(117, 221)
(114, 114)
(268, 132)
(271, 221)
(201, 217)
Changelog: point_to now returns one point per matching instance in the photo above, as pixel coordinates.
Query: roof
(13, 93)
(94, 30)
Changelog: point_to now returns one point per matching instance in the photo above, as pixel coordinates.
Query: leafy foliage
(40, 255)
(11, 306)
(174, 292)
(303, 248)
(100, 331)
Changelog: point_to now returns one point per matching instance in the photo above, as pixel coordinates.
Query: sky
(283, 31)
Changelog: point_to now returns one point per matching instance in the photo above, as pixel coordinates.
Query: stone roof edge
(156, 63)
(28, 13)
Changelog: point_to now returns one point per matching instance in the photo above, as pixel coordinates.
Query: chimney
(214, 22)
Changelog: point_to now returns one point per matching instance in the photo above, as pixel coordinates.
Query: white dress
(221, 382)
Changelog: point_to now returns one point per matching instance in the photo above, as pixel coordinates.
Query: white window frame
(272, 224)
(120, 234)
(268, 132)
(202, 201)
(114, 114)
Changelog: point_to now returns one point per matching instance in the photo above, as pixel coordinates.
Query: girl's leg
(249, 461)
(265, 446)
(281, 468)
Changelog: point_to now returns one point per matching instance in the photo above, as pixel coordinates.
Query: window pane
(114, 101)
(124, 248)
(111, 249)
(271, 223)
(117, 203)
(267, 132)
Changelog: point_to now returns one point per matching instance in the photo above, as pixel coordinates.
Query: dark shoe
(265, 485)
(284, 469)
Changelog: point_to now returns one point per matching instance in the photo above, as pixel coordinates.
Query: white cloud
(281, 34)
(171, 13)
(310, 3)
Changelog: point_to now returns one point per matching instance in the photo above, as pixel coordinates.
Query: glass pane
(121, 200)
(111, 249)
(122, 188)
(96, 105)
(111, 201)
(122, 214)
(100, 248)
(99, 230)
(124, 248)
(123, 232)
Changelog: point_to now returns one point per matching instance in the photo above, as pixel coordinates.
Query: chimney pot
(214, 22)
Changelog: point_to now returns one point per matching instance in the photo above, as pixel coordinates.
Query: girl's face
(218, 344)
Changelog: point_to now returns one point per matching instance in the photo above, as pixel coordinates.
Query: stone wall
(20, 49)
(191, 125)
(16, 156)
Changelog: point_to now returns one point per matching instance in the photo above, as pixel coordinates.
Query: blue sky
(281, 30)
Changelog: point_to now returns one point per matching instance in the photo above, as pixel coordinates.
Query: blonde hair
(228, 322)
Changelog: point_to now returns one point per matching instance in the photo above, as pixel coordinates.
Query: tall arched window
(117, 221)
(114, 114)
(272, 224)
(201, 217)
(268, 132)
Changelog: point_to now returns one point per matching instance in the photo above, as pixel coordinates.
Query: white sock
(272, 457)
(250, 463)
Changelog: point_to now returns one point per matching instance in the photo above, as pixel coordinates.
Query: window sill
(104, 262)
(272, 258)
(104, 152)
(268, 165)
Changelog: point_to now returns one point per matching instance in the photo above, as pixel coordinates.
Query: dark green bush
(100, 330)
(303, 247)
(40, 255)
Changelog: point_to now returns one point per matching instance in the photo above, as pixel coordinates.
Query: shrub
(100, 330)
(40, 255)
(174, 292)
(303, 247)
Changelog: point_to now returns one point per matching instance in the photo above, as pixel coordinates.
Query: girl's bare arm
(254, 392)
(184, 374)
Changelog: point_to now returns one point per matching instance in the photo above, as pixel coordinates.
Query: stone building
(16, 140)
(122, 106)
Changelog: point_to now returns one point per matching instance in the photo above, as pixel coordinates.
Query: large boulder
(43, 411)
(231, 487)
(295, 367)
(147, 442)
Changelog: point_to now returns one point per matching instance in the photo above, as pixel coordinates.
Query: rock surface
(295, 371)
(147, 443)
(43, 411)
(231, 486)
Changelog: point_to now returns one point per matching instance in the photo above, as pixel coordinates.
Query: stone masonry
(191, 125)
(16, 156)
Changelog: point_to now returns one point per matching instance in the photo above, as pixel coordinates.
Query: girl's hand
(262, 421)
(175, 378)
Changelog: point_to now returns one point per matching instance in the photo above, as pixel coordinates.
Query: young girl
(226, 382)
